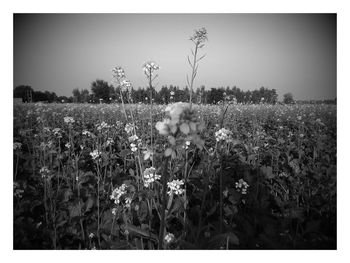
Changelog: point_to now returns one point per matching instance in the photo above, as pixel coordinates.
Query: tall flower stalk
(118, 76)
(198, 38)
(149, 69)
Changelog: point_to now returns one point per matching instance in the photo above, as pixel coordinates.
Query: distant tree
(101, 90)
(23, 91)
(76, 95)
(215, 95)
(40, 96)
(84, 95)
(62, 99)
(163, 96)
(288, 98)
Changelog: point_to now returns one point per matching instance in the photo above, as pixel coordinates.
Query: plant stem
(151, 112)
(221, 203)
(193, 73)
(164, 204)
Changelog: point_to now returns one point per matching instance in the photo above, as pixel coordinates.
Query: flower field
(178, 176)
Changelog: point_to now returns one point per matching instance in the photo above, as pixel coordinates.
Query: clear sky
(287, 52)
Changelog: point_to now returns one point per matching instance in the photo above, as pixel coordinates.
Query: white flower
(242, 186)
(69, 120)
(223, 135)
(68, 145)
(103, 125)
(175, 187)
(163, 127)
(133, 138)
(109, 141)
(117, 193)
(17, 146)
(126, 84)
(57, 132)
(169, 238)
(95, 154)
(44, 171)
(149, 67)
(199, 36)
(128, 201)
(118, 72)
(114, 211)
(133, 147)
(150, 176)
(175, 110)
(129, 128)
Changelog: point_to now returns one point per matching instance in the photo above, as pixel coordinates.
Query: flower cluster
(89, 134)
(118, 192)
(95, 154)
(181, 118)
(223, 135)
(129, 128)
(128, 201)
(134, 142)
(242, 186)
(176, 187)
(68, 120)
(57, 132)
(149, 67)
(102, 126)
(150, 176)
(17, 146)
(109, 142)
(44, 171)
(118, 72)
(17, 192)
(199, 36)
(169, 238)
(283, 174)
(126, 84)
(133, 138)
(133, 147)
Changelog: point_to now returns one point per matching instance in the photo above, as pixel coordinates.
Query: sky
(288, 52)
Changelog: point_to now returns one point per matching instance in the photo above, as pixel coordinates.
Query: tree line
(103, 92)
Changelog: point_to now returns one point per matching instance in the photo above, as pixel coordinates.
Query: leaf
(67, 194)
(74, 210)
(89, 204)
(168, 152)
(267, 171)
(171, 140)
(184, 128)
(124, 153)
(212, 210)
(136, 230)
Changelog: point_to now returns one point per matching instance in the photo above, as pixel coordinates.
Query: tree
(76, 95)
(288, 98)
(23, 91)
(84, 95)
(101, 90)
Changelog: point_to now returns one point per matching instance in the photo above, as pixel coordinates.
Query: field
(228, 176)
